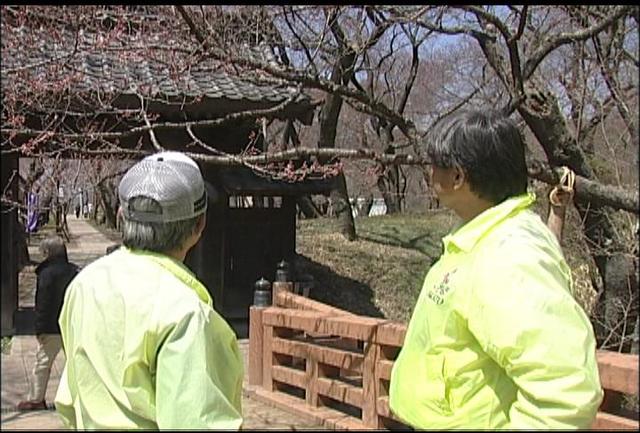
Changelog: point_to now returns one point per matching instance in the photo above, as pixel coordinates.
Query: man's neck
(177, 254)
(473, 207)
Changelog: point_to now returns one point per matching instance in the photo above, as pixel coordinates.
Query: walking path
(86, 245)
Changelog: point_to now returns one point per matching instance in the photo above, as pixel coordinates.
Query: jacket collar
(178, 269)
(465, 237)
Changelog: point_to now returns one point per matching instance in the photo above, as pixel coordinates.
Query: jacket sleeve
(64, 403)
(63, 400)
(523, 315)
(199, 375)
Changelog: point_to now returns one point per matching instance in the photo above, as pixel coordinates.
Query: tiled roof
(114, 70)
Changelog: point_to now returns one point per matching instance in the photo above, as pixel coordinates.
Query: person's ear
(459, 177)
(201, 223)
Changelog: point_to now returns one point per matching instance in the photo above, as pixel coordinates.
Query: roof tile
(108, 71)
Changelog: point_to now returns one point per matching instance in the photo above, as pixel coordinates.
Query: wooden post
(261, 299)
(369, 389)
(311, 392)
(280, 286)
(267, 358)
(282, 282)
(255, 345)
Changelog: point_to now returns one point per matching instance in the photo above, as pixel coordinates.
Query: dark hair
(488, 147)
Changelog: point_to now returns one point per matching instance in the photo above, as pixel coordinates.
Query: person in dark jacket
(53, 276)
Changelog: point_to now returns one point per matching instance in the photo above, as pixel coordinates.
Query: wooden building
(250, 228)
(250, 222)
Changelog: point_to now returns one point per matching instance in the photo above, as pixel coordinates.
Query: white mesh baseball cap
(170, 178)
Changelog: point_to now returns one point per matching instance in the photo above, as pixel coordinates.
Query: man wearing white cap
(144, 346)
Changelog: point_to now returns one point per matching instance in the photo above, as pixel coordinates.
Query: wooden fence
(334, 366)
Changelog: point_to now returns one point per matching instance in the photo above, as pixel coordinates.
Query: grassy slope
(381, 273)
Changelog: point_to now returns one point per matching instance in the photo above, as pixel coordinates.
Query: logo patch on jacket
(438, 293)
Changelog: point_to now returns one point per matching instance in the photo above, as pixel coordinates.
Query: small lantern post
(261, 300)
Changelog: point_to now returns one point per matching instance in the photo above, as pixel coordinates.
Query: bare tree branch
(241, 115)
(152, 134)
(566, 38)
(361, 100)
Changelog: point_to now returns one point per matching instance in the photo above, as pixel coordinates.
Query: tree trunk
(328, 126)
(618, 309)
(367, 205)
(342, 209)
(340, 196)
(389, 181)
(341, 74)
(306, 206)
(109, 205)
(387, 190)
(542, 114)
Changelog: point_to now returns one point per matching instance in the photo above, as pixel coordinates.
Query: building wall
(9, 225)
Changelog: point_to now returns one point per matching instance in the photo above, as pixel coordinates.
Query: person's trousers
(48, 347)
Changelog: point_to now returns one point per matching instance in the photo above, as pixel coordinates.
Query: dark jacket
(54, 275)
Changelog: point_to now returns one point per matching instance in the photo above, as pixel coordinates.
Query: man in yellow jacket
(144, 347)
(496, 339)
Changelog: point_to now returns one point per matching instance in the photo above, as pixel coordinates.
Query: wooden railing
(334, 366)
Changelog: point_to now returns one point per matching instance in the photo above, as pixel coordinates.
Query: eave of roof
(243, 181)
(106, 71)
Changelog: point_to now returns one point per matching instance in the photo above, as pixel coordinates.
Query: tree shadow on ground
(337, 290)
(427, 243)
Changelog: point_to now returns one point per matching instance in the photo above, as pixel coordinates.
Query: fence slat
(293, 301)
(326, 355)
(606, 421)
(360, 328)
(281, 373)
(340, 391)
(618, 371)
(391, 334)
(383, 369)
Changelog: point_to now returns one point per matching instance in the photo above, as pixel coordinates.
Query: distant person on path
(496, 339)
(21, 245)
(145, 348)
(32, 213)
(53, 276)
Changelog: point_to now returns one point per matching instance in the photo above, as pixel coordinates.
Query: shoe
(32, 405)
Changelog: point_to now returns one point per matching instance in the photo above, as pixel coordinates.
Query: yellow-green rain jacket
(496, 339)
(145, 349)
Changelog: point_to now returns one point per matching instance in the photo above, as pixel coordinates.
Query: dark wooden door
(256, 240)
